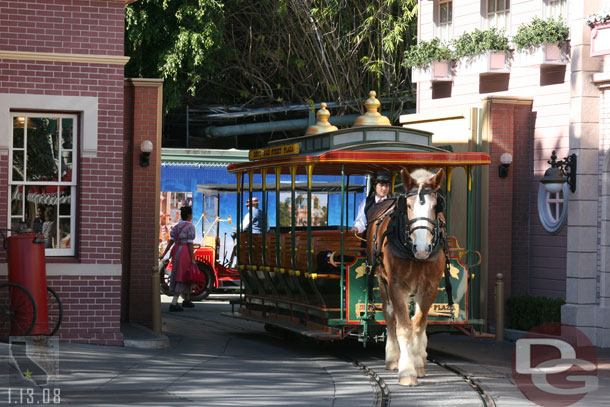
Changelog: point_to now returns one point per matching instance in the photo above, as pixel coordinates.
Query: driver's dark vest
(368, 204)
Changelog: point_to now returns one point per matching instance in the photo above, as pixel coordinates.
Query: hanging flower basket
(481, 52)
(437, 71)
(542, 55)
(542, 42)
(490, 62)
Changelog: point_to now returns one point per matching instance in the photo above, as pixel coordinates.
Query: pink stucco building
(528, 108)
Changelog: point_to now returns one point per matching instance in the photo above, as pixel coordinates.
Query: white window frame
(492, 17)
(72, 183)
(552, 6)
(553, 221)
(444, 30)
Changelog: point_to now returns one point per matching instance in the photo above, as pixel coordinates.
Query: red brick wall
(142, 217)
(66, 26)
(4, 198)
(91, 302)
(91, 309)
(509, 131)
(521, 170)
(100, 181)
(127, 201)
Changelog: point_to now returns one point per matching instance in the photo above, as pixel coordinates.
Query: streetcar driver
(380, 191)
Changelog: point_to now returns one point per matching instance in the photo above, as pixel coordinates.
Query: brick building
(70, 134)
(553, 245)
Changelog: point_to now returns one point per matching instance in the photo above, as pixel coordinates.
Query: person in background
(259, 219)
(380, 191)
(182, 253)
(49, 227)
(39, 220)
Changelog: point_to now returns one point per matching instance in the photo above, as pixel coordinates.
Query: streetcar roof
(213, 189)
(367, 158)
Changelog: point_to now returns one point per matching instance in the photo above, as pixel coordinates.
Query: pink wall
(550, 90)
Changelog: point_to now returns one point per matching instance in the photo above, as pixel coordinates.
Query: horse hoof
(408, 381)
(391, 366)
(421, 372)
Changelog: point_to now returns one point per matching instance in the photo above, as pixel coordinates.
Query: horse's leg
(392, 353)
(404, 333)
(420, 339)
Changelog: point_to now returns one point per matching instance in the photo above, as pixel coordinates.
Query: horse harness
(398, 234)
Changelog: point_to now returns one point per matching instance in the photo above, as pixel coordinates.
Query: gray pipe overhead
(266, 127)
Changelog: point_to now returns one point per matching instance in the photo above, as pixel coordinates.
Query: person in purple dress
(182, 254)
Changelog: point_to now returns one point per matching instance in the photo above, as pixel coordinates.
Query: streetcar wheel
(17, 310)
(55, 310)
(202, 291)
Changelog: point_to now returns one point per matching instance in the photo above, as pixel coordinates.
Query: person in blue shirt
(259, 219)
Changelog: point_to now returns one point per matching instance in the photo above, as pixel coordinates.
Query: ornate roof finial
(372, 117)
(322, 125)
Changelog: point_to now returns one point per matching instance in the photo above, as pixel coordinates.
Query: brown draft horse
(415, 277)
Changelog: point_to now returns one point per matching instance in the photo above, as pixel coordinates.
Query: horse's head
(424, 203)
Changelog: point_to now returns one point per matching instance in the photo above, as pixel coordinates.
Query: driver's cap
(382, 178)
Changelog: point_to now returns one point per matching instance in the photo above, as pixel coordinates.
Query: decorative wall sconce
(505, 161)
(146, 147)
(560, 172)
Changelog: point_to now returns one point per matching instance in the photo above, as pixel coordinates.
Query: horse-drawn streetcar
(309, 274)
(313, 277)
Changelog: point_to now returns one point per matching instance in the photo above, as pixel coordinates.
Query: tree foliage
(266, 52)
(174, 40)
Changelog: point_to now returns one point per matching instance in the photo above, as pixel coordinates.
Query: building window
(557, 8)
(498, 14)
(42, 178)
(552, 208)
(445, 19)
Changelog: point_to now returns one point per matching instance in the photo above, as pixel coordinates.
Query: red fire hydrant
(27, 266)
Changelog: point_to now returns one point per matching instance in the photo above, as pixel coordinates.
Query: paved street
(214, 360)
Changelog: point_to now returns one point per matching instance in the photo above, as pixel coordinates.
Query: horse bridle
(437, 224)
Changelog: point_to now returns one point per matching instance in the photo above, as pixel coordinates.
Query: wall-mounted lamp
(505, 160)
(146, 147)
(560, 172)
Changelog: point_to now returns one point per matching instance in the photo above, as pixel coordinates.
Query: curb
(138, 336)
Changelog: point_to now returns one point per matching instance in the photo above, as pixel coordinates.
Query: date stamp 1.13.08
(30, 367)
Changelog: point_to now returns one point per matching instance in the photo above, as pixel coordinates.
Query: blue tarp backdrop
(185, 178)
